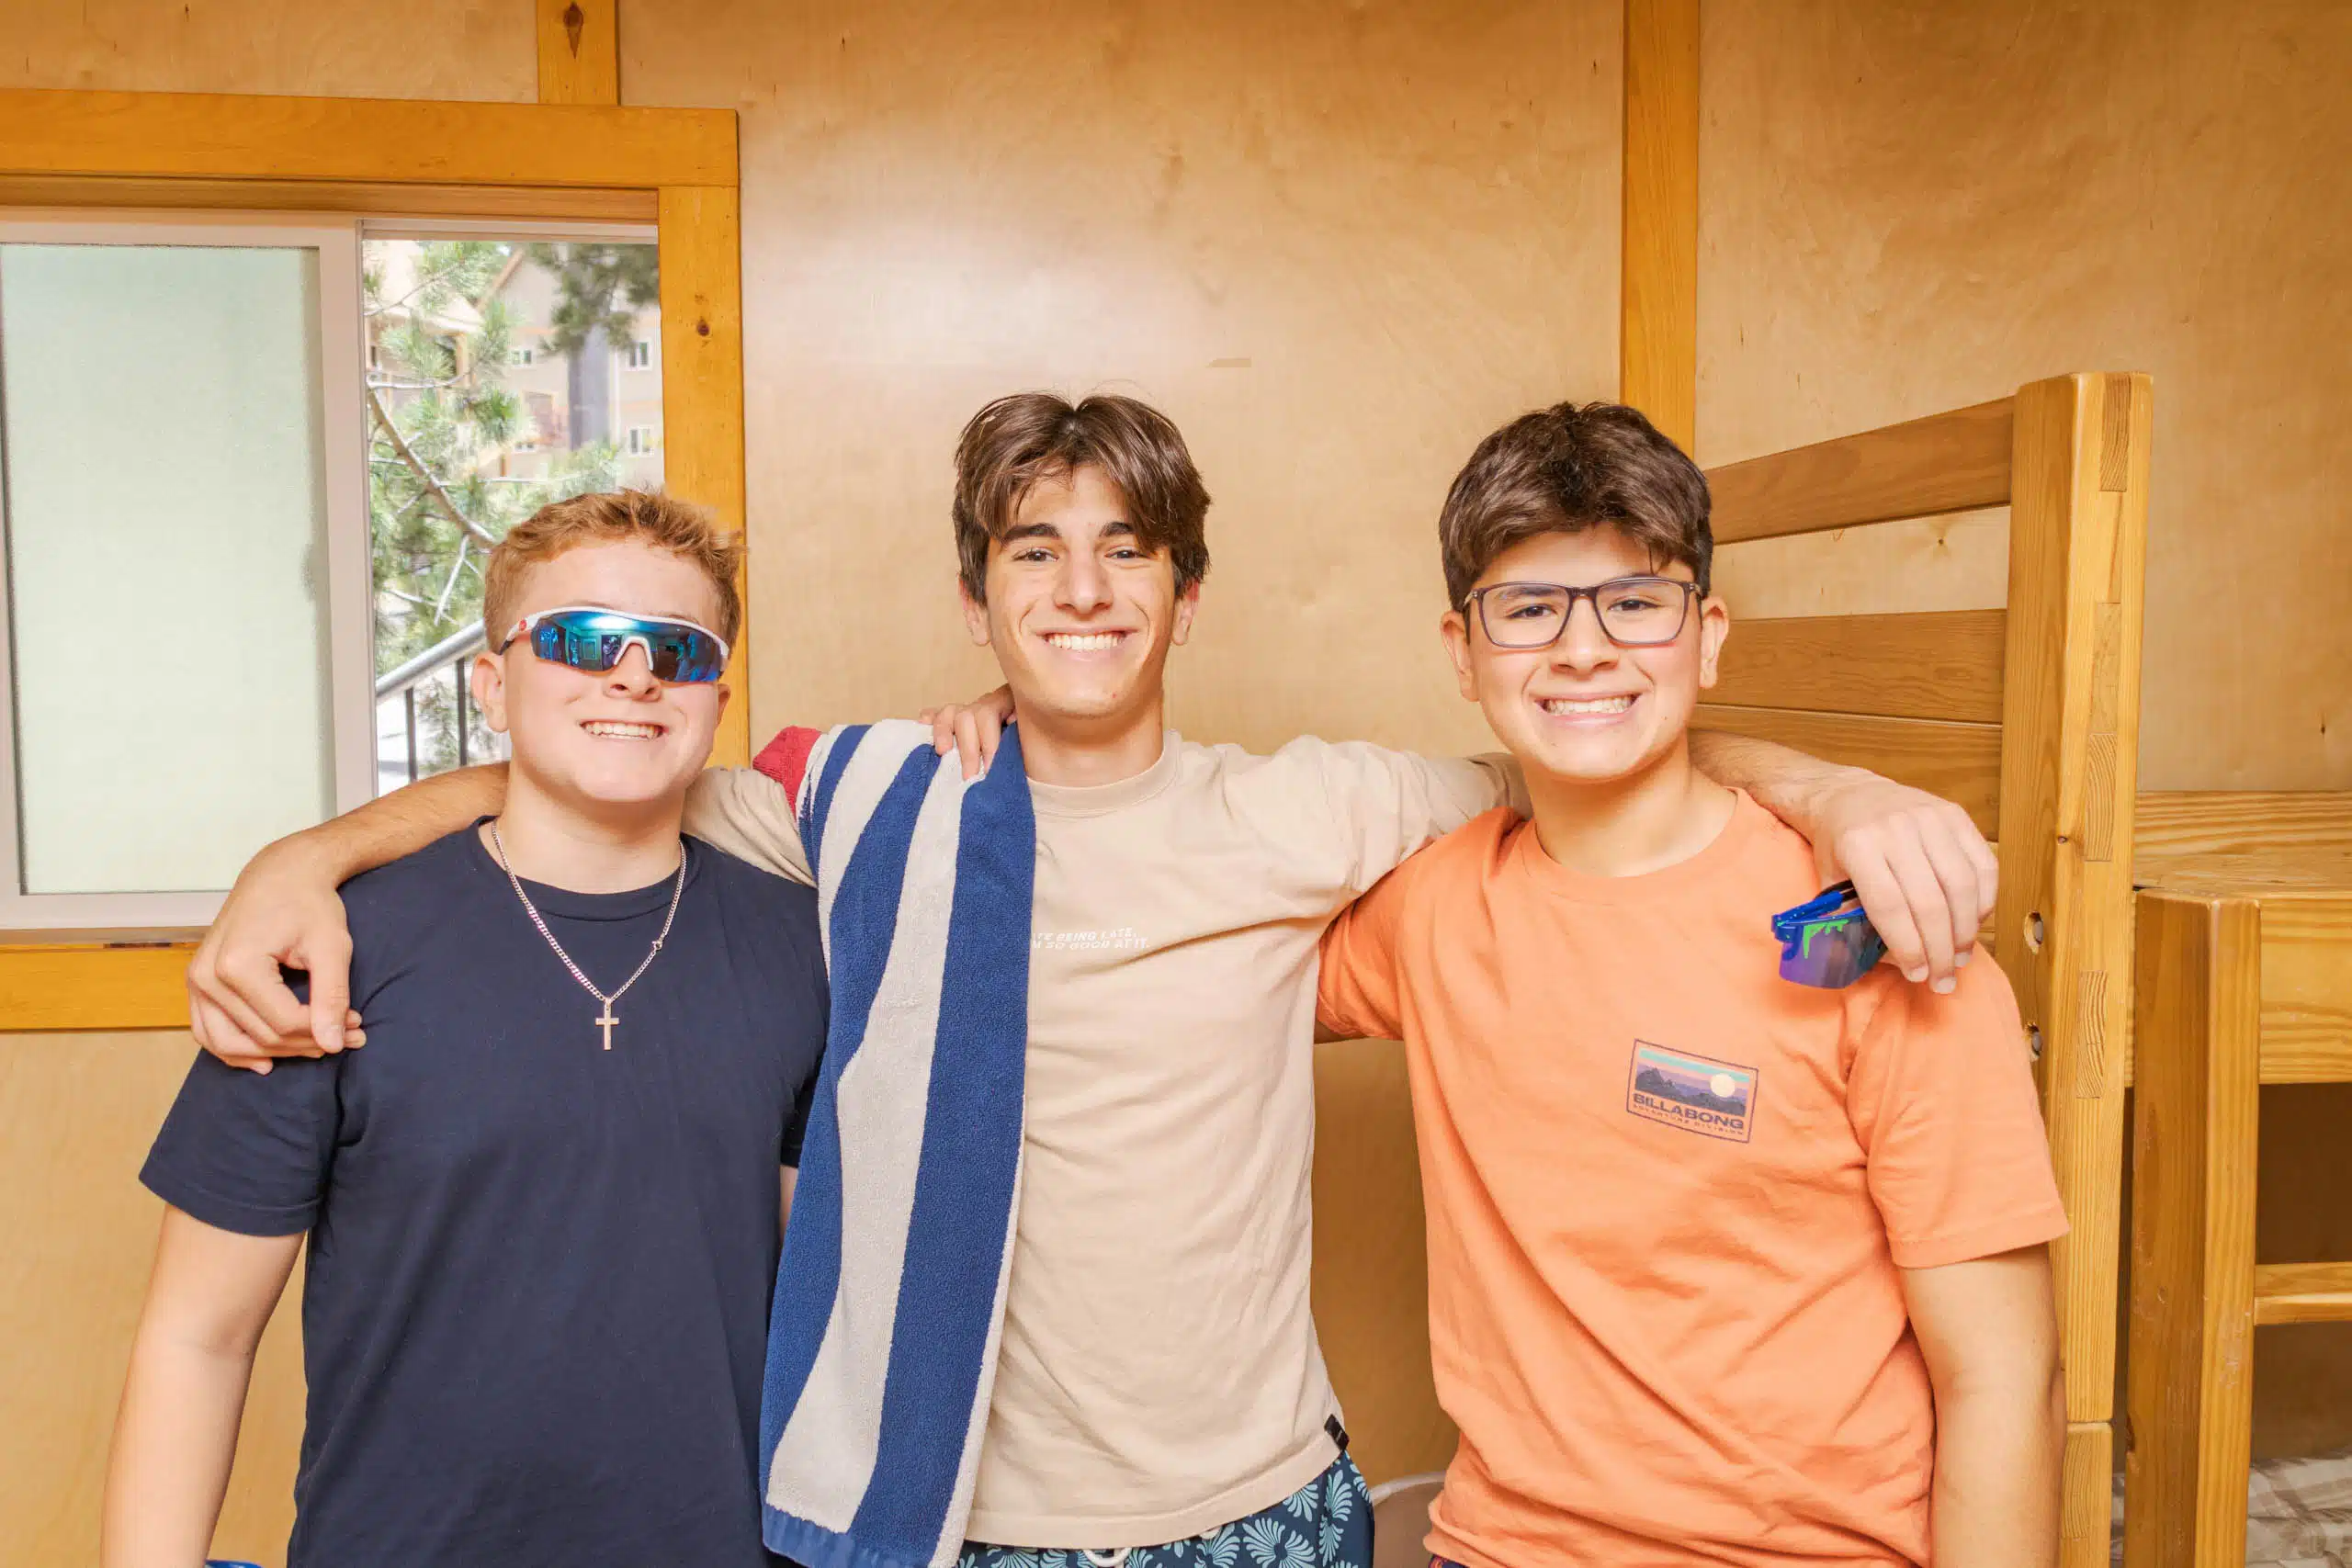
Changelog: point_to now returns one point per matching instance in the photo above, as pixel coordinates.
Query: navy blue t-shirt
(538, 1270)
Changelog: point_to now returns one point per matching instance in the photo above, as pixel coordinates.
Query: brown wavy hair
(1016, 442)
(1566, 469)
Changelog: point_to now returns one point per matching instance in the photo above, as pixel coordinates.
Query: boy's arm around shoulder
(1988, 1331)
(175, 1434)
(753, 813)
(1360, 991)
(1379, 806)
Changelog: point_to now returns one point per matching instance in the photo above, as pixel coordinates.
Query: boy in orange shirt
(1722, 1268)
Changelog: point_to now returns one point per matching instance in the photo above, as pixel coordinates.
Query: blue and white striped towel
(883, 1338)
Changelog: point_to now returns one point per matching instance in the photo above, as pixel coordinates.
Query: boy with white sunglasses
(544, 1209)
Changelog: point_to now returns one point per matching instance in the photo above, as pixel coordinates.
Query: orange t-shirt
(1669, 1194)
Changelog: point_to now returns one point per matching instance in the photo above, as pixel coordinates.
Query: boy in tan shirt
(1158, 1380)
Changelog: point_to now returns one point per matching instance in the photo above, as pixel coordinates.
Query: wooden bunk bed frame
(2029, 717)
(2244, 979)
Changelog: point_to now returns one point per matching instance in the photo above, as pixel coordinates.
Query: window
(640, 356)
(186, 665)
(461, 449)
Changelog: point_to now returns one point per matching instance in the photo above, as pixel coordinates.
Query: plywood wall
(1912, 205)
(77, 1113)
(418, 48)
(1337, 242)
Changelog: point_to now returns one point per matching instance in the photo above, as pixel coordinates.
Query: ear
(1456, 633)
(1188, 604)
(976, 615)
(1714, 627)
(486, 679)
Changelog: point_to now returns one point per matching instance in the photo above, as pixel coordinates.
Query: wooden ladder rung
(2302, 1292)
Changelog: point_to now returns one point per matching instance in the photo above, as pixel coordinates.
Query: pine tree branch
(424, 475)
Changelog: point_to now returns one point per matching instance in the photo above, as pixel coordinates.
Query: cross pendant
(604, 1021)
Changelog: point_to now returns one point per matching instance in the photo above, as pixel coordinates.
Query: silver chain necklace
(606, 1020)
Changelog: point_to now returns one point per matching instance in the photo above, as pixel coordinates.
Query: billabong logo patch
(1697, 1094)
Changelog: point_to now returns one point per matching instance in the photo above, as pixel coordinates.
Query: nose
(1083, 586)
(1584, 644)
(632, 679)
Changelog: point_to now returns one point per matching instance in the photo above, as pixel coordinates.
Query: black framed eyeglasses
(1636, 612)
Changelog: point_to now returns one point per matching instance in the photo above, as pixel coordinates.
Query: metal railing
(403, 680)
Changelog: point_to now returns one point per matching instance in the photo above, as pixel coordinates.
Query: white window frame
(640, 354)
(350, 638)
(633, 446)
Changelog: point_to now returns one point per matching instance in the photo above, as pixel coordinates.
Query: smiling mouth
(620, 730)
(1584, 707)
(1084, 642)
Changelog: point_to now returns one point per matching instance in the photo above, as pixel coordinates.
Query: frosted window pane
(167, 558)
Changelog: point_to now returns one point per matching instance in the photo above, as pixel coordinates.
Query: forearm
(1998, 1456)
(1784, 782)
(399, 824)
(173, 1442)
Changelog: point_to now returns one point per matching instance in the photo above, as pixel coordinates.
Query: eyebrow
(641, 615)
(1120, 528)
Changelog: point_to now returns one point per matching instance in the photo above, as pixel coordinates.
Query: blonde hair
(621, 517)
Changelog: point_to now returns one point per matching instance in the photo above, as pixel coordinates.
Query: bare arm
(1989, 1332)
(284, 910)
(176, 1434)
(1925, 875)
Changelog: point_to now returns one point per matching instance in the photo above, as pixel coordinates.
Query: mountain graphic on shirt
(1682, 1091)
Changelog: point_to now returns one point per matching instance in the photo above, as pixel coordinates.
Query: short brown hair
(1017, 441)
(647, 517)
(1566, 469)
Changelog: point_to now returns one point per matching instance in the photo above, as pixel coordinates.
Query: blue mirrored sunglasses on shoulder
(1828, 940)
(593, 640)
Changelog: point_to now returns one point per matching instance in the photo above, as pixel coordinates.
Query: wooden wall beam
(579, 58)
(1657, 346)
(1960, 762)
(224, 136)
(702, 394)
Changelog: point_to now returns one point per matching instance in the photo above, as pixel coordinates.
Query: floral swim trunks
(1325, 1524)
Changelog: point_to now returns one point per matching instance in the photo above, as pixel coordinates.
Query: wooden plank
(2086, 1489)
(2302, 1292)
(702, 394)
(371, 198)
(1945, 665)
(1658, 343)
(1960, 762)
(223, 136)
(2180, 823)
(1947, 462)
(580, 59)
(93, 986)
(2069, 730)
(2307, 987)
(2191, 1398)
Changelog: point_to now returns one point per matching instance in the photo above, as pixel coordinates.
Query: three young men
(1158, 1380)
(544, 1206)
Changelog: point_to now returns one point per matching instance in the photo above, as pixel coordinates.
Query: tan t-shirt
(1158, 1373)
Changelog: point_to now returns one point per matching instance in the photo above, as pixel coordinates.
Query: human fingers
(969, 747)
(239, 989)
(1931, 914)
(216, 1035)
(1862, 859)
(1956, 872)
(327, 956)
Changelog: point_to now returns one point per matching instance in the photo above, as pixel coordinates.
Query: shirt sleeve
(250, 1153)
(749, 815)
(1940, 1091)
(1386, 805)
(1357, 993)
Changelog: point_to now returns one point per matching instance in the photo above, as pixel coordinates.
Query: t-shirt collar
(1096, 800)
(1746, 829)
